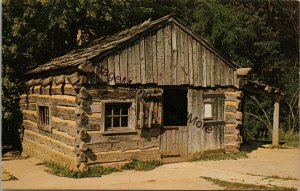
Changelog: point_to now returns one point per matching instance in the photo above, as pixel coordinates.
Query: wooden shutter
(149, 108)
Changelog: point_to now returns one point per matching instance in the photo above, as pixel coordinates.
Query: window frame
(130, 116)
(45, 127)
(212, 98)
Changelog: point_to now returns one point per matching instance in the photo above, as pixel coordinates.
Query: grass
(136, 164)
(292, 144)
(220, 156)
(64, 170)
(275, 177)
(97, 170)
(241, 186)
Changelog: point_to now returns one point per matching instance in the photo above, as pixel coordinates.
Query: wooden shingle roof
(103, 45)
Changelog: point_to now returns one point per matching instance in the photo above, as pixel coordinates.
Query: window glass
(116, 115)
(208, 110)
(44, 118)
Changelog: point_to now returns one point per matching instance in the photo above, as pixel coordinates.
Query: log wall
(142, 142)
(233, 119)
(60, 142)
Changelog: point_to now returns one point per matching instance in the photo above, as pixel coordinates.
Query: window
(213, 106)
(44, 118)
(116, 116)
(208, 110)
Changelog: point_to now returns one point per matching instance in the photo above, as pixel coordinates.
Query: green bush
(136, 164)
(64, 170)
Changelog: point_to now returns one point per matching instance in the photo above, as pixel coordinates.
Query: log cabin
(156, 91)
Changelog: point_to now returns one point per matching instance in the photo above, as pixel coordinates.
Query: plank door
(173, 144)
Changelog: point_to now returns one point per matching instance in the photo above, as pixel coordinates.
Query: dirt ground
(281, 164)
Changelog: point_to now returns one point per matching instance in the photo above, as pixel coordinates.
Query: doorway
(175, 107)
(173, 140)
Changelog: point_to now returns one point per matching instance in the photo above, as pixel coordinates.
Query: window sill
(209, 123)
(116, 132)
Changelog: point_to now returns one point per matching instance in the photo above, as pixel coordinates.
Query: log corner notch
(254, 87)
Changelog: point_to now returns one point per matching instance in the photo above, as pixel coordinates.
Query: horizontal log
(243, 71)
(125, 145)
(79, 111)
(89, 126)
(57, 89)
(64, 112)
(230, 117)
(30, 106)
(51, 143)
(64, 100)
(43, 152)
(143, 134)
(111, 94)
(231, 103)
(116, 156)
(231, 130)
(83, 146)
(238, 94)
(31, 115)
(82, 157)
(66, 126)
(46, 90)
(230, 138)
(96, 107)
(72, 79)
(29, 83)
(230, 97)
(82, 133)
(239, 116)
(47, 81)
(58, 80)
(84, 93)
(83, 80)
(230, 108)
(231, 147)
(55, 134)
(37, 89)
(68, 90)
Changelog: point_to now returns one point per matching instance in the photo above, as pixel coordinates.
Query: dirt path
(256, 169)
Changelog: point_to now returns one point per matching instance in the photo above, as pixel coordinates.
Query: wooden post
(275, 122)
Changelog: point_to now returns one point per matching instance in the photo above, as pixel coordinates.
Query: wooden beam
(243, 71)
(275, 123)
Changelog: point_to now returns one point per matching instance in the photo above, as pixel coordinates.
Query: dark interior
(175, 107)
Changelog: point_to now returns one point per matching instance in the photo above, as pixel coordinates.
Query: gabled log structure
(156, 91)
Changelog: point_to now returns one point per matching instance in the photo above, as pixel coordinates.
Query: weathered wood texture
(233, 119)
(168, 56)
(59, 141)
(142, 144)
(146, 105)
(43, 152)
(182, 143)
(199, 139)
